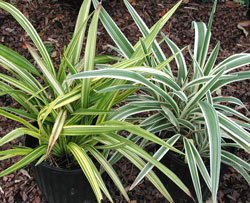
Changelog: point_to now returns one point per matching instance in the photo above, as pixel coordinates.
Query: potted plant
(66, 121)
(186, 107)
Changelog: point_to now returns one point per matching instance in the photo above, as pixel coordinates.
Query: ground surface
(55, 24)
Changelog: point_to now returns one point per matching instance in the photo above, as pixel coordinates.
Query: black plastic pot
(182, 171)
(61, 185)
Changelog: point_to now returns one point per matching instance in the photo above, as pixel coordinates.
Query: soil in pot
(61, 185)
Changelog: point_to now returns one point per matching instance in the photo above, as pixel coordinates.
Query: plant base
(61, 185)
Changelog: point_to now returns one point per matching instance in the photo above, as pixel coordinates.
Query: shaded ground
(55, 24)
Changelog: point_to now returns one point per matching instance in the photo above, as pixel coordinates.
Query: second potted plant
(186, 110)
(66, 121)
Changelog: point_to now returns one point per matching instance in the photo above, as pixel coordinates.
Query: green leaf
(207, 37)
(18, 60)
(115, 33)
(139, 151)
(237, 133)
(125, 75)
(145, 30)
(18, 119)
(22, 20)
(17, 133)
(213, 129)
(232, 62)
(78, 130)
(109, 169)
(82, 16)
(193, 169)
(231, 111)
(236, 159)
(228, 99)
(139, 163)
(83, 111)
(16, 152)
(82, 159)
(18, 84)
(236, 163)
(143, 133)
(69, 52)
(20, 112)
(203, 91)
(32, 156)
(118, 87)
(226, 79)
(180, 61)
(25, 77)
(211, 60)
(171, 117)
(20, 97)
(200, 35)
(56, 130)
(201, 165)
(89, 61)
(158, 156)
(50, 77)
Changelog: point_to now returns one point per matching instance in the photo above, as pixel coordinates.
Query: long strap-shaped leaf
(207, 37)
(201, 165)
(20, 112)
(211, 60)
(25, 77)
(139, 151)
(146, 31)
(57, 128)
(82, 158)
(115, 33)
(180, 61)
(37, 152)
(18, 119)
(17, 133)
(82, 15)
(233, 62)
(226, 79)
(158, 155)
(51, 78)
(213, 129)
(61, 75)
(18, 60)
(236, 132)
(237, 163)
(18, 84)
(193, 169)
(232, 111)
(109, 169)
(89, 57)
(126, 75)
(196, 98)
(139, 163)
(22, 20)
(200, 34)
(79, 130)
(19, 96)
(16, 152)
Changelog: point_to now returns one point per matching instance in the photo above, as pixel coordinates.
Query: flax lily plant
(71, 116)
(184, 104)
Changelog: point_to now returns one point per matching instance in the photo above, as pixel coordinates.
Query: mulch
(54, 22)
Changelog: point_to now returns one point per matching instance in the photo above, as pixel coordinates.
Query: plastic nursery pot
(61, 185)
(182, 171)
